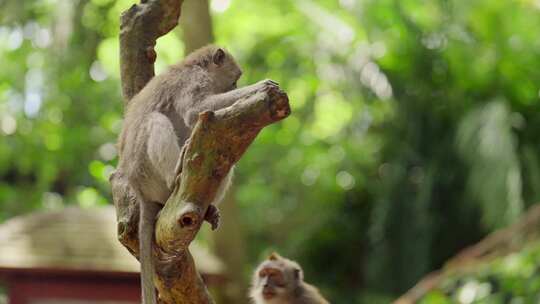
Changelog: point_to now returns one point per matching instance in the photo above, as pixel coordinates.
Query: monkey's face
(272, 282)
(276, 278)
(225, 71)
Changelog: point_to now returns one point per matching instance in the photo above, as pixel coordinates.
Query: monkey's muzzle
(268, 292)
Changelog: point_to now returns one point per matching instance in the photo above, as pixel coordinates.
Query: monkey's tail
(149, 212)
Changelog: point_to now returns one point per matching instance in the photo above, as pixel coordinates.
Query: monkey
(157, 123)
(278, 280)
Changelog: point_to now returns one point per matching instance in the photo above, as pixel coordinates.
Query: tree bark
(140, 26)
(217, 142)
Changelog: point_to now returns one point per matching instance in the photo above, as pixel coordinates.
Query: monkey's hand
(265, 85)
(212, 216)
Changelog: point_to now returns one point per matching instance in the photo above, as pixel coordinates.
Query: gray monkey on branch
(278, 280)
(157, 124)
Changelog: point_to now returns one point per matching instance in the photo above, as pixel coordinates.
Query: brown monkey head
(222, 69)
(225, 70)
(276, 279)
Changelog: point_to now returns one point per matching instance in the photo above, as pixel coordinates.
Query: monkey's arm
(223, 100)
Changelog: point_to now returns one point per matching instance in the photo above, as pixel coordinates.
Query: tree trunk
(217, 142)
(196, 25)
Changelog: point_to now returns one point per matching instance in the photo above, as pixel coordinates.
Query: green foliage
(53, 135)
(511, 279)
(414, 129)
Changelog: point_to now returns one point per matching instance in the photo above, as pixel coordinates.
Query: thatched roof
(76, 239)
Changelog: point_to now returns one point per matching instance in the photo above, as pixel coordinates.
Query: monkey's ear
(296, 272)
(219, 56)
(298, 275)
(273, 256)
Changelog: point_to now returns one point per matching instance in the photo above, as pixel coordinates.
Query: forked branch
(217, 142)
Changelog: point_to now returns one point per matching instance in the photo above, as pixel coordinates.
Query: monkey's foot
(212, 216)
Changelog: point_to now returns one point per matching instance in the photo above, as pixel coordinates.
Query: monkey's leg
(167, 158)
(163, 150)
(147, 222)
(212, 216)
(212, 213)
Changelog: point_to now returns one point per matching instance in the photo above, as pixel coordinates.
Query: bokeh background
(415, 131)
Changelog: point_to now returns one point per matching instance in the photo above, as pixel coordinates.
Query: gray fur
(157, 123)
